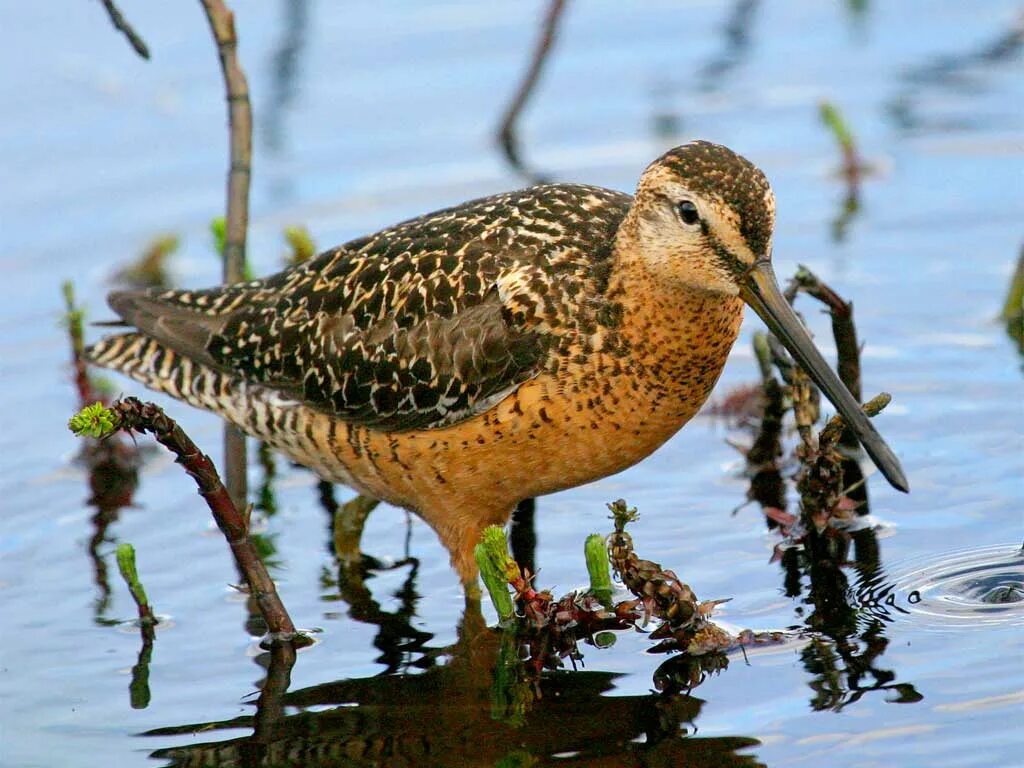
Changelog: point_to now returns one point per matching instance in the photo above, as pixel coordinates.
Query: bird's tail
(162, 369)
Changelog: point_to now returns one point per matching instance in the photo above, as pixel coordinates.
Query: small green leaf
(126, 564)
(94, 420)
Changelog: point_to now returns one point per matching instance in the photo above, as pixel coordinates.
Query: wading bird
(506, 348)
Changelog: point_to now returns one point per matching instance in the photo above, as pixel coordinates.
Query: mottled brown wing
(418, 326)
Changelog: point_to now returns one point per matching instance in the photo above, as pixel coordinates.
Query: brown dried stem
(121, 24)
(507, 134)
(222, 24)
(843, 330)
(147, 417)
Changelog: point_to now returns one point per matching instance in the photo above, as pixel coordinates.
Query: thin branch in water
(222, 25)
(507, 135)
(131, 414)
(121, 24)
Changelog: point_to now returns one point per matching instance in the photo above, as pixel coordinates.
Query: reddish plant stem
(148, 417)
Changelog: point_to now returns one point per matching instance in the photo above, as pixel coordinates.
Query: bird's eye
(688, 212)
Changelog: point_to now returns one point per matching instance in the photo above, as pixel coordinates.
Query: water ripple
(959, 590)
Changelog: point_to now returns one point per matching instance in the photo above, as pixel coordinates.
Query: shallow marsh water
(367, 113)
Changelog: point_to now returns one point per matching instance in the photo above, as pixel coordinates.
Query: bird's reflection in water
(446, 717)
(473, 703)
(466, 704)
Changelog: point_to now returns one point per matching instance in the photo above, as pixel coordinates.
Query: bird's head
(702, 220)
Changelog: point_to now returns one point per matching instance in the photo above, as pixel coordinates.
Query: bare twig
(507, 136)
(121, 24)
(843, 330)
(222, 24)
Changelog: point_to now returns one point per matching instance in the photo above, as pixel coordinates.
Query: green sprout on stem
(126, 564)
(596, 552)
(94, 421)
(621, 515)
(495, 564)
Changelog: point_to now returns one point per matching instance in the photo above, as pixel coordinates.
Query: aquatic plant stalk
(596, 554)
(138, 688)
(131, 414)
(222, 25)
(834, 121)
(126, 565)
(494, 562)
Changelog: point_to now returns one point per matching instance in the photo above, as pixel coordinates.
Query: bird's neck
(682, 332)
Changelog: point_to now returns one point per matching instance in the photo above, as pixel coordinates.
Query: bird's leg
(522, 535)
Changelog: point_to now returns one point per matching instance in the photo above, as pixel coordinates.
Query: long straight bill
(762, 293)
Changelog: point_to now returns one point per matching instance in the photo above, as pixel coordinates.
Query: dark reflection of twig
(764, 458)
(736, 34)
(256, 750)
(952, 72)
(508, 137)
(849, 628)
(138, 689)
(113, 478)
(402, 645)
(523, 535)
(444, 716)
(285, 68)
